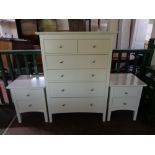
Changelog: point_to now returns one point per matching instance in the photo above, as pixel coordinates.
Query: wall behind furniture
(8, 29)
(124, 34)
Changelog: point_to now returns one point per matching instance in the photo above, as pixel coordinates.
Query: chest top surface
(125, 80)
(26, 81)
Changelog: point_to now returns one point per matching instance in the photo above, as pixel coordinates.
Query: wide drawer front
(76, 75)
(124, 103)
(93, 46)
(64, 105)
(125, 91)
(76, 89)
(34, 105)
(28, 94)
(78, 61)
(60, 46)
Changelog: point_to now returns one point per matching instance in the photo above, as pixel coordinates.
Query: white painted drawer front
(28, 94)
(64, 105)
(124, 103)
(76, 75)
(76, 89)
(78, 61)
(93, 46)
(34, 105)
(125, 91)
(60, 46)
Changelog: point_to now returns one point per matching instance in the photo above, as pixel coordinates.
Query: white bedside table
(125, 93)
(28, 93)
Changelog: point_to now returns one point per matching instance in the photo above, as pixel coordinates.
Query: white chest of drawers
(77, 69)
(125, 93)
(28, 94)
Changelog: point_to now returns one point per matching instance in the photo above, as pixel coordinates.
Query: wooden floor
(6, 115)
(82, 124)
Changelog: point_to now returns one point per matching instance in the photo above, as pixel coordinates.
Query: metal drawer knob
(60, 46)
(124, 103)
(63, 105)
(62, 90)
(93, 61)
(61, 62)
(93, 75)
(30, 105)
(28, 95)
(126, 93)
(94, 46)
(92, 89)
(91, 104)
(62, 75)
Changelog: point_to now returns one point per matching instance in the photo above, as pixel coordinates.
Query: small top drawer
(93, 46)
(125, 91)
(60, 46)
(28, 94)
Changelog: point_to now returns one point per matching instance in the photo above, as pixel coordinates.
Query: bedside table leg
(103, 117)
(135, 115)
(109, 115)
(19, 117)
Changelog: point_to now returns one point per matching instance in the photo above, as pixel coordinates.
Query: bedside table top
(27, 81)
(125, 79)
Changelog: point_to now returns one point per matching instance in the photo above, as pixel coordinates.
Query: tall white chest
(77, 70)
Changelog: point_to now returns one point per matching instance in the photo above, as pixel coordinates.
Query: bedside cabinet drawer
(26, 94)
(34, 105)
(124, 103)
(125, 91)
(93, 46)
(60, 46)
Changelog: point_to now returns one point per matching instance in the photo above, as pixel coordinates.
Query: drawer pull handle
(124, 103)
(93, 75)
(93, 61)
(91, 104)
(61, 62)
(28, 95)
(92, 89)
(94, 46)
(63, 105)
(62, 75)
(60, 46)
(62, 90)
(126, 93)
(30, 105)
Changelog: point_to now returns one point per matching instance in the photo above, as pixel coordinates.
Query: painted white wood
(28, 94)
(26, 81)
(76, 75)
(76, 61)
(30, 97)
(77, 69)
(60, 46)
(32, 106)
(93, 46)
(125, 80)
(139, 31)
(124, 103)
(66, 105)
(76, 89)
(124, 94)
(125, 91)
